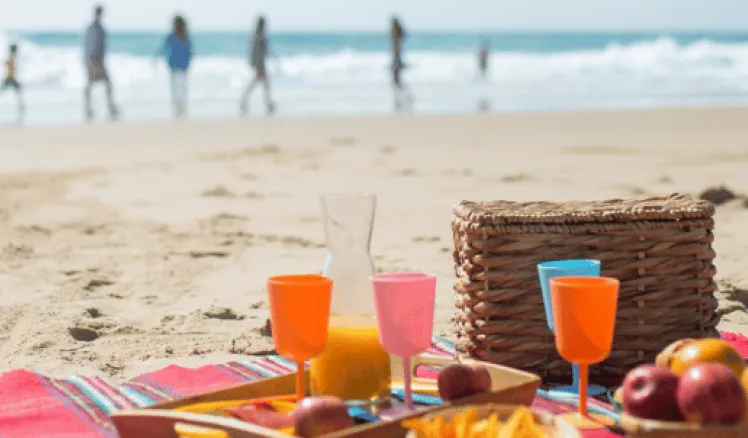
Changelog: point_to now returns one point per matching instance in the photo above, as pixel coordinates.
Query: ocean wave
(353, 81)
(654, 60)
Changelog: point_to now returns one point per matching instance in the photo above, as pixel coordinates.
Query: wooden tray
(554, 426)
(637, 427)
(509, 386)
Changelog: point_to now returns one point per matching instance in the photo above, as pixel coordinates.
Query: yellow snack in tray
(521, 425)
(465, 424)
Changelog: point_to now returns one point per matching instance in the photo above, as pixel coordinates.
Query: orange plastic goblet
(584, 315)
(299, 313)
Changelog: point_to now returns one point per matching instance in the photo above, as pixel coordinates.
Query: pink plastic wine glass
(405, 316)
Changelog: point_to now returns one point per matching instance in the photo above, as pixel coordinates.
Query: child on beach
(11, 81)
(178, 51)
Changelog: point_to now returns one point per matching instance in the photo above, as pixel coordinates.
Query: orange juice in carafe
(353, 365)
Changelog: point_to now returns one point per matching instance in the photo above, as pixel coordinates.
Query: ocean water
(347, 74)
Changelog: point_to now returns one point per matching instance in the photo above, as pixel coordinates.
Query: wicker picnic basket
(660, 248)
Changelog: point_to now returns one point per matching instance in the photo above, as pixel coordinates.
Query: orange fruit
(666, 356)
(707, 350)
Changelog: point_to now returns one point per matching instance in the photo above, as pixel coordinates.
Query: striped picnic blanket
(34, 405)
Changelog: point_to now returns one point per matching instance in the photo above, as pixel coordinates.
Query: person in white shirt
(95, 50)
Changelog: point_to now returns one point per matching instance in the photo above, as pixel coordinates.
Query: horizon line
(384, 30)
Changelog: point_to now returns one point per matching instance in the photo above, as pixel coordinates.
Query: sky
(341, 15)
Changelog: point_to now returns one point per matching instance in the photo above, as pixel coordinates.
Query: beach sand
(129, 247)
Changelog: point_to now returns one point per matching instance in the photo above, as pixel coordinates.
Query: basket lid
(673, 207)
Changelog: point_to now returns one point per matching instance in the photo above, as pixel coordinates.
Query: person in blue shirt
(178, 51)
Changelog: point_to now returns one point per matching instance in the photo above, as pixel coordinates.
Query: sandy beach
(129, 247)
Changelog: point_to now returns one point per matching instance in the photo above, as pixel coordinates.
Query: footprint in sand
(250, 344)
(459, 172)
(92, 312)
(96, 283)
(598, 150)
(208, 253)
(718, 195)
(223, 313)
(342, 141)
(83, 333)
(426, 239)
(665, 180)
(227, 217)
(405, 172)
(294, 241)
(270, 149)
(387, 149)
(13, 251)
(515, 178)
(218, 192)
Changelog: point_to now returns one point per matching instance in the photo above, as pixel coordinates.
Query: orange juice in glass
(353, 365)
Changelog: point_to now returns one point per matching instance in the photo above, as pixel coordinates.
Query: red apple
(710, 392)
(481, 377)
(317, 416)
(651, 392)
(460, 380)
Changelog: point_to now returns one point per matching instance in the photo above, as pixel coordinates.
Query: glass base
(591, 421)
(367, 404)
(399, 411)
(571, 391)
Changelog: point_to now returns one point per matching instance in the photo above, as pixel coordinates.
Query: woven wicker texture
(660, 248)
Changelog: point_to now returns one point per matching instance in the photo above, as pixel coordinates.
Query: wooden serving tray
(509, 386)
(640, 428)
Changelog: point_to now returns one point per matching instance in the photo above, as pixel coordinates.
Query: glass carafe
(353, 366)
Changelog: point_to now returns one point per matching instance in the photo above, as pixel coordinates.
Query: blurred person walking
(178, 52)
(11, 81)
(258, 55)
(483, 55)
(94, 46)
(403, 97)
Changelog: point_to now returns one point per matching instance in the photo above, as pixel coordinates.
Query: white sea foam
(646, 73)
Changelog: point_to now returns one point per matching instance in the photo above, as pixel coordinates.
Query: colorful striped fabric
(34, 405)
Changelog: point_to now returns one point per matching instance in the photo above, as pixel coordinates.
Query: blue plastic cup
(566, 268)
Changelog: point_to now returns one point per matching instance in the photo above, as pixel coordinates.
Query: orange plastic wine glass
(584, 315)
(299, 313)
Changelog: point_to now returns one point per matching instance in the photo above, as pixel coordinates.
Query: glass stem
(300, 389)
(406, 382)
(583, 378)
(575, 374)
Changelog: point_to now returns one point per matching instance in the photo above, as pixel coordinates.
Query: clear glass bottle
(353, 366)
